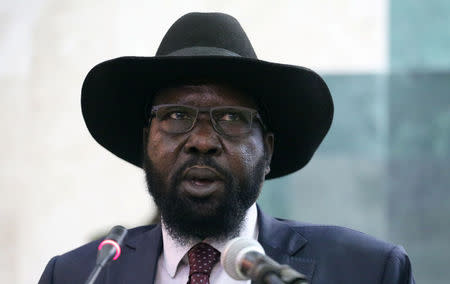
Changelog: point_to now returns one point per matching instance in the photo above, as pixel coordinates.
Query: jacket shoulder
(89, 250)
(76, 265)
(356, 255)
(340, 238)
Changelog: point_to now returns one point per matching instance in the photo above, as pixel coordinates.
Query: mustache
(200, 161)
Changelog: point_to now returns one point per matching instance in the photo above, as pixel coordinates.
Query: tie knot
(202, 258)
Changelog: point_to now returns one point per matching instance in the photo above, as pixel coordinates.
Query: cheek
(248, 154)
(161, 151)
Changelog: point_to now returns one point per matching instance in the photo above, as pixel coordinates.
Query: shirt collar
(174, 253)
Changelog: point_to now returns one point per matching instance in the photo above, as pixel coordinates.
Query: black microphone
(245, 259)
(109, 249)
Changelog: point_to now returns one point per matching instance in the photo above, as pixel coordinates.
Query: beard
(220, 219)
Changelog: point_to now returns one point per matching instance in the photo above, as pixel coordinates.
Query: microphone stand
(272, 278)
(105, 255)
(108, 250)
(289, 275)
(280, 275)
(267, 271)
(94, 274)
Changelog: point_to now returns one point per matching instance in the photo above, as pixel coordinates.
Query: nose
(203, 139)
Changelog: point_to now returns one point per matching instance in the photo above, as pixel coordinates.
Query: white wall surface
(59, 188)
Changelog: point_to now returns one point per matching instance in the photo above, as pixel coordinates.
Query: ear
(269, 140)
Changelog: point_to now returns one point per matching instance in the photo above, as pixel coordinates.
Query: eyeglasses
(226, 120)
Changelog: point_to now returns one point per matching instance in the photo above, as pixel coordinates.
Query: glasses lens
(232, 121)
(176, 119)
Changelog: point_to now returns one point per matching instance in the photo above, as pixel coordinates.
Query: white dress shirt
(173, 265)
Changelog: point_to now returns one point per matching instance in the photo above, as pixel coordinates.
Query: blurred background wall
(383, 168)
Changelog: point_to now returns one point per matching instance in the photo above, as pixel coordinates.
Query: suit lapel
(282, 243)
(139, 260)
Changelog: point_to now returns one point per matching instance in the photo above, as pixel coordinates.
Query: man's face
(202, 181)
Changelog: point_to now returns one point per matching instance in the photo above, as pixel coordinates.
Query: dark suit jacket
(326, 254)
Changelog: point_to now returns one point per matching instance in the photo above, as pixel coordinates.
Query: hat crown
(214, 47)
(204, 34)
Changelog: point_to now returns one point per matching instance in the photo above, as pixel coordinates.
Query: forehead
(204, 95)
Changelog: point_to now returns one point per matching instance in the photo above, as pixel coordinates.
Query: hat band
(203, 51)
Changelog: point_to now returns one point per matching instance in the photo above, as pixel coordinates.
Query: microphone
(109, 249)
(245, 259)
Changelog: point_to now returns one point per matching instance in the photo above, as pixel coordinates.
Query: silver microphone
(245, 259)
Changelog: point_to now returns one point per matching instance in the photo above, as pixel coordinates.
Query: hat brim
(299, 104)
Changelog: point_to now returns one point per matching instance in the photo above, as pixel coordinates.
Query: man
(209, 122)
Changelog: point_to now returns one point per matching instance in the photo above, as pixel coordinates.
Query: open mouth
(201, 181)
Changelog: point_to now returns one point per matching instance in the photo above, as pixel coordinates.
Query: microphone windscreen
(117, 234)
(233, 254)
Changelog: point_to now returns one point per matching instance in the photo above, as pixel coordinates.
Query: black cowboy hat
(207, 46)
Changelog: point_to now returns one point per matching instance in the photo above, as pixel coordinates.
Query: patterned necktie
(202, 258)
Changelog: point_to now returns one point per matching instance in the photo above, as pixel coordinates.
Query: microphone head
(117, 234)
(112, 241)
(234, 253)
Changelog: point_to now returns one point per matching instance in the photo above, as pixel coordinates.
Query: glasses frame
(254, 114)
